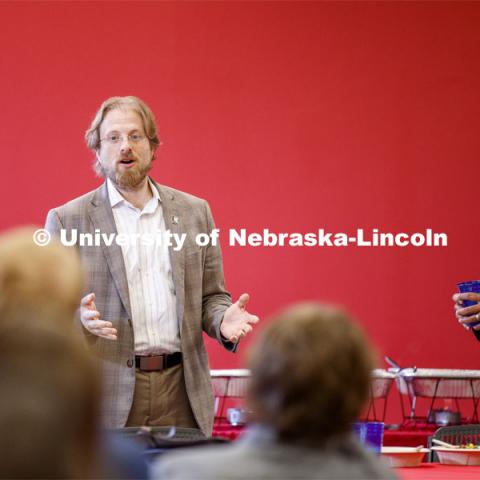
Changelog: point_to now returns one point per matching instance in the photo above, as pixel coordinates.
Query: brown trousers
(160, 399)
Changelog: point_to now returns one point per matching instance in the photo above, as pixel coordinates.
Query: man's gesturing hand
(237, 322)
(90, 318)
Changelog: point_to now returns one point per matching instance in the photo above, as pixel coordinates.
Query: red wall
(292, 116)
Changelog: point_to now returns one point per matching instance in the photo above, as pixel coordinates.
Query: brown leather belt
(153, 363)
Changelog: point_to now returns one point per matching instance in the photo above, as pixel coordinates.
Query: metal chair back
(456, 435)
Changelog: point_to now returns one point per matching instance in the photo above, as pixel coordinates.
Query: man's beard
(129, 179)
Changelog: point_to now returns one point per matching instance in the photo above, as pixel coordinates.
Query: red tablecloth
(406, 438)
(436, 471)
(391, 438)
(226, 430)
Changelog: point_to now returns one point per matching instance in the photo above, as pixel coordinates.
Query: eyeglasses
(114, 138)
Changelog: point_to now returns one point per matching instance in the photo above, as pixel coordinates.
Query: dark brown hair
(310, 373)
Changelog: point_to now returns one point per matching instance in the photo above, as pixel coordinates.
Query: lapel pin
(175, 220)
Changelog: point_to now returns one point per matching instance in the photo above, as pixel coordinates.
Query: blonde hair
(38, 281)
(92, 135)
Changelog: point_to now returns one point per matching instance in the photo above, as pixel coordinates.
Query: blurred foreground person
(310, 377)
(50, 389)
(48, 405)
(38, 284)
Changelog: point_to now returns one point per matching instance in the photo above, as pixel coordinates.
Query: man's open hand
(90, 318)
(237, 322)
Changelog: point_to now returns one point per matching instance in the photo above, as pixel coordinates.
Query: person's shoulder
(199, 463)
(80, 203)
(178, 195)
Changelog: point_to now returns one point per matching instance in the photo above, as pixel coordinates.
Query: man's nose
(125, 144)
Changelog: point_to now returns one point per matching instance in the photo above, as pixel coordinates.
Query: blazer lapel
(173, 222)
(101, 215)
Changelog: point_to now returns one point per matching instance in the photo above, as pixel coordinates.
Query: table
(436, 471)
(407, 438)
(391, 438)
(226, 430)
(438, 383)
(228, 385)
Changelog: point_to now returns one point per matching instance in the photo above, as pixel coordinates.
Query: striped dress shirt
(149, 274)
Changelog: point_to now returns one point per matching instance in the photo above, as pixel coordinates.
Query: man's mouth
(127, 161)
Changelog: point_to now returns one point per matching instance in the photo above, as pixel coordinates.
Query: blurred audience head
(310, 374)
(35, 281)
(48, 406)
(48, 383)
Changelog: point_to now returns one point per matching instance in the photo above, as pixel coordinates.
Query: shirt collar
(154, 190)
(113, 194)
(115, 197)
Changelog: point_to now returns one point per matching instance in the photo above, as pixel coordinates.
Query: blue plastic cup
(465, 287)
(370, 434)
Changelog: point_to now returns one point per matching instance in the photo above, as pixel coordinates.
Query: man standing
(148, 302)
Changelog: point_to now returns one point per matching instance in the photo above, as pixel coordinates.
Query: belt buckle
(152, 363)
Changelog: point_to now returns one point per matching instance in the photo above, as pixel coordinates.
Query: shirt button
(129, 363)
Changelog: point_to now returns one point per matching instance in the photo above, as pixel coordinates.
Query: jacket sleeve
(215, 299)
(53, 224)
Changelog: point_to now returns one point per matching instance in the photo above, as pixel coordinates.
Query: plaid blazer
(200, 293)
